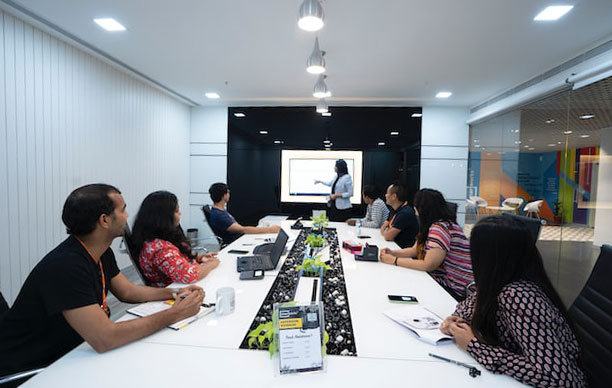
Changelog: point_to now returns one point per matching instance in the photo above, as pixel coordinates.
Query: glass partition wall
(550, 160)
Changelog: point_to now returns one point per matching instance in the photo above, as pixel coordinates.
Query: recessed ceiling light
(477, 145)
(559, 142)
(550, 121)
(551, 144)
(394, 133)
(587, 116)
(444, 94)
(553, 12)
(567, 132)
(381, 143)
(416, 115)
(326, 114)
(278, 142)
(517, 142)
(531, 148)
(476, 140)
(109, 24)
(526, 146)
(585, 136)
(239, 114)
(212, 95)
(263, 132)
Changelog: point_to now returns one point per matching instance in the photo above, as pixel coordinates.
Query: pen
(474, 372)
(203, 304)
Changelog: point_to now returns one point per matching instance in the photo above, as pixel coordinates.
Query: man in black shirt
(63, 300)
(402, 226)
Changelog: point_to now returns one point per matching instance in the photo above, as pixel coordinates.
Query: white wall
(208, 158)
(603, 213)
(68, 119)
(444, 153)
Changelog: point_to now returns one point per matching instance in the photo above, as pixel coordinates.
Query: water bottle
(358, 222)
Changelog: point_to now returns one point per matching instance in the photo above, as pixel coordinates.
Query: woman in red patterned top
(164, 254)
(441, 247)
(515, 323)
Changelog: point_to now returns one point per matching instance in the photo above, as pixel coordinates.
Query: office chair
(16, 378)
(533, 224)
(206, 210)
(591, 313)
(453, 207)
(127, 246)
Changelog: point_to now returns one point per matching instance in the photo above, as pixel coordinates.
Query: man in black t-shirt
(403, 225)
(63, 300)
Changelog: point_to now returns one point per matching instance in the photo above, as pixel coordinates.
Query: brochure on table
(299, 332)
(423, 323)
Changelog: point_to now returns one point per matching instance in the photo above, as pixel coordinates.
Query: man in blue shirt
(403, 225)
(223, 223)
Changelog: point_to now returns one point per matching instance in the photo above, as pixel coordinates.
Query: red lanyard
(395, 214)
(104, 305)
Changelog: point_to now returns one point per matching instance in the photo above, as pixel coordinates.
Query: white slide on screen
(300, 169)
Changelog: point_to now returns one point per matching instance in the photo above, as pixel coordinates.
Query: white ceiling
(385, 52)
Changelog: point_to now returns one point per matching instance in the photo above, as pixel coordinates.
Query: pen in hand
(474, 372)
(203, 304)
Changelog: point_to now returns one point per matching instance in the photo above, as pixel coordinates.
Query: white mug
(226, 301)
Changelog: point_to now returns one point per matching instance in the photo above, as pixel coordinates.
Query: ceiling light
(517, 142)
(444, 94)
(321, 106)
(320, 88)
(394, 133)
(559, 142)
(567, 132)
(531, 148)
(551, 144)
(239, 114)
(381, 143)
(109, 24)
(416, 115)
(263, 132)
(585, 136)
(212, 95)
(553, 12)
(278, 142)
(587, 116)
(326, 141)
(315, 64)
(310, 17)
(476, 140)
(550, 121)
(526, 146)
(326, 114)
(477, 145)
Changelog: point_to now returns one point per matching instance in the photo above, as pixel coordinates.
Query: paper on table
(421, 322)
(150, 308)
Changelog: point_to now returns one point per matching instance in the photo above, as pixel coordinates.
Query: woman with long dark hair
(339, 204)
(515, 322)
(164, 254)
(441, 247)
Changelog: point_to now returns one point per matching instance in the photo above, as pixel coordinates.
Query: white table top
(207, 350)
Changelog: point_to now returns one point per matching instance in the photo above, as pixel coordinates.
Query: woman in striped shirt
(441, 247)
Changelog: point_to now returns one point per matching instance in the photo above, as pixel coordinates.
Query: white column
(603, 212)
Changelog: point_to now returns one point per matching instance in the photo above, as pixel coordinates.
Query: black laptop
(264, 261)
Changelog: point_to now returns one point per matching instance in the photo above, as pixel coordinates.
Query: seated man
(63, 300)
(224, 224)
(377, 212)
(403, 225)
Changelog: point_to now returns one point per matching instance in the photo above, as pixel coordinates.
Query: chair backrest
(132, 254)
(591, 313)
(513, 202)
(206, 211)
(4, 307)
(533, 206)
(453, 207)
(532, 224)
(481, 202)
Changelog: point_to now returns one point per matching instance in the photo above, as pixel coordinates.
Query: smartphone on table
(252, 275)
(403, 298)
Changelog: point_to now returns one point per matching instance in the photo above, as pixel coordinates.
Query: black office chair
(206, 210)
(453, 207)
(533, 224)
(16, 379)
(591, 313)
(130, 249)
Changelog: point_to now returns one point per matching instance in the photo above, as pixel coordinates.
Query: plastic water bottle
(358, 222)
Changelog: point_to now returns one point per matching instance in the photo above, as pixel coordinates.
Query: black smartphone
(364, 236)
(238, 251)
(251, 275)
(403, 298)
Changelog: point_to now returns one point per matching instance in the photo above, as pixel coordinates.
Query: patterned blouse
(455, 271)
(163, 263)
(537, 344)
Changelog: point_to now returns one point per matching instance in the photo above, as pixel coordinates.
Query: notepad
(150, 308)
(422, 322)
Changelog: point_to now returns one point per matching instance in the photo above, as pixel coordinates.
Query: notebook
(150, 308)
(422, 322)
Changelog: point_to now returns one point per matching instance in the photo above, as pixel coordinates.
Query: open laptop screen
(279, 246)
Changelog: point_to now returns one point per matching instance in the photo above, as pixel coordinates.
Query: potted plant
(313, 267)
(318, 223)
(558, 217)
(316, 242)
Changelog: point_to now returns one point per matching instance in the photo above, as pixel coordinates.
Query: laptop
(265, 262)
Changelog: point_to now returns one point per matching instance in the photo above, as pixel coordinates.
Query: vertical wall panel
(67, 119)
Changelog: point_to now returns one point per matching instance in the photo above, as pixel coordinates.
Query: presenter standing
(339, 203)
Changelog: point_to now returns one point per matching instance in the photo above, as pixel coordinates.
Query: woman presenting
(341, 191)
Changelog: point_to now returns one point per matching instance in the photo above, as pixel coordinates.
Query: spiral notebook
(150, 308)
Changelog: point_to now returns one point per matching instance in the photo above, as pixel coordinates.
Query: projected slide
(300, 170)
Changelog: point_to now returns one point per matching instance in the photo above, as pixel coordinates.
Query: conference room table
(206, 353)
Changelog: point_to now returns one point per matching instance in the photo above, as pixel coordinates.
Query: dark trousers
(339, 215)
